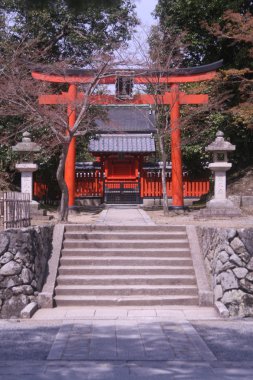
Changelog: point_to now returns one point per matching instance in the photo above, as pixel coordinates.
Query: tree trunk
(164, 187)
(63, 211)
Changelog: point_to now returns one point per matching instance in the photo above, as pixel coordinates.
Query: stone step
(125, 266)
(125, 252)
(126, 290)
(94, 227)
(108, 280)
(133, 235)
(118, 270)
(175, 243)
(126, 300)
(136, 261)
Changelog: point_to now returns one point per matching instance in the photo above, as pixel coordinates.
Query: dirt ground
(246, 220)
(241, 183)
(87, 217)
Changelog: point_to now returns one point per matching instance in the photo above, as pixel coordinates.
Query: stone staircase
(125, 266)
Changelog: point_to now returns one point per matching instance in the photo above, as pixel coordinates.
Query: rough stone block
(240, 272)
(229, 250)
(223, 267)
(228, 281)
(231, 234)
(4, 242)
(6, 293)
(237, 245)
(245, 256)
(13, 306)
(10, 269)
(7, 256)
(246, 285)
(22, 257)
(246, 307)
(246, 235)
(26, 276)
(23, 289)
(234, 259)
(250, 277)
(9, 282)
(232, 296)
(250, 264)
(223, 256)
(218, 267)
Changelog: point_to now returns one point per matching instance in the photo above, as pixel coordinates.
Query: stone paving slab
(138, 347)
(128, 371)
(124, 216)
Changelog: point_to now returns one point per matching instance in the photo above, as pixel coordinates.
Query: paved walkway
(126, 344)
(124, 215)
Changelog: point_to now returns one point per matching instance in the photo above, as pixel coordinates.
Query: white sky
(138, 45)
(144, 9)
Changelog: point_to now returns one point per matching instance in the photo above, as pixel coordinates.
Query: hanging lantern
(124, 85)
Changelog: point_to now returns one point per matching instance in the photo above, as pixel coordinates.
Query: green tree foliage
(65, 29)
(67, 32)
(191, 16)
(216, 30)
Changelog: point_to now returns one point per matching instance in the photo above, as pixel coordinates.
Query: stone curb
(205, 293)
(29, 310)
(102, 217)
(222, 310)
(146, 217)
(45, 298)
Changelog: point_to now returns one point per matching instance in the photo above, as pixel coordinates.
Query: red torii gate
(174, 98)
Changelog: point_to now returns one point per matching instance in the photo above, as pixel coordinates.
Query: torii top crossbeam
(140, 76)
(174, 98)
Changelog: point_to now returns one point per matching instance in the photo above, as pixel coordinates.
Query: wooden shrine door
(122, 180)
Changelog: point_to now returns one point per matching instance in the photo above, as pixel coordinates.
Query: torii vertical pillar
(176, 155)
(71, 156)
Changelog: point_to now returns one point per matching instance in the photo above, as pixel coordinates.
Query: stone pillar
(26, 170)
(220, 185)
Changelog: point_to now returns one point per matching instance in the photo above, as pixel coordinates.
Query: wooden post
(71, 156)
(176, 157)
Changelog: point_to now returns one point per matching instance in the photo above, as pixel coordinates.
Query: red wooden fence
(91, 184)
(151, 186)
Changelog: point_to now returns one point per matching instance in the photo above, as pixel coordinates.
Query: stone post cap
(219, 144)
(26, 145)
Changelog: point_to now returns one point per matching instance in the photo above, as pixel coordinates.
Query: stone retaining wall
(24, 255)
(228, 257)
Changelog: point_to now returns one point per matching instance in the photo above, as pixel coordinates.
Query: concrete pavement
(125, 344)
(124, 215)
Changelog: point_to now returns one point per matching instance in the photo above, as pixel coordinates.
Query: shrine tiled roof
(127, 119)
(122, 143)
